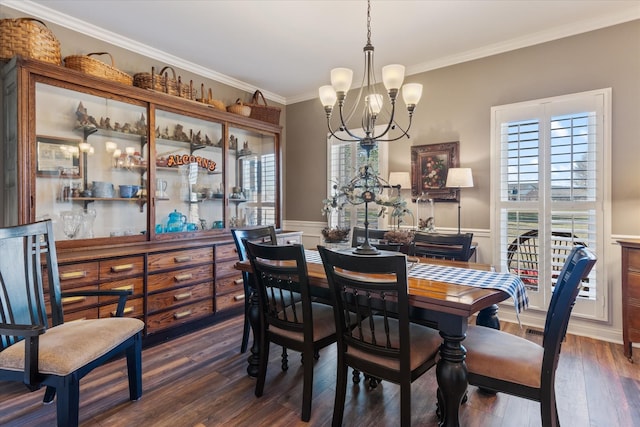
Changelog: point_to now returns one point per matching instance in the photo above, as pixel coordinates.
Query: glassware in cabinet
(91, 164)
(189, 184)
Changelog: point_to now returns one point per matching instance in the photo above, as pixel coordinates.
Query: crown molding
(66, 21)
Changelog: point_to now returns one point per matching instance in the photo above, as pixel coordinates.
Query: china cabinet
(142, 188)
(630, 295)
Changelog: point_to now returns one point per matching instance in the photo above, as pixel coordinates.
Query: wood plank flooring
(200, 380)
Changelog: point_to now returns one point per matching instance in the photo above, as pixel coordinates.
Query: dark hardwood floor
(200, 380)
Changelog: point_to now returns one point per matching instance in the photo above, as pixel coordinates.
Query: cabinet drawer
(89, 313)
(226, 252)
(75, 274)
(133, 308)
(114, 269)
(178, 259)
(70, 304)
(633, 285)
(634, 260)
(179, 296)
(227, 268)
(179, 316)
(230, 300)
(134, 284)
(161, 281)
(229, 284)
(289, 238)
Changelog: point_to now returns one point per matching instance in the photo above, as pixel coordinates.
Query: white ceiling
(286, 48)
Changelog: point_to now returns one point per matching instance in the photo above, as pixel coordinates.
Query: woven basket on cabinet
(262, 111)
(161, 82)
(95, 67)
(29, 38)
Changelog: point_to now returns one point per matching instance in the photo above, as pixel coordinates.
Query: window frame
(545, 109)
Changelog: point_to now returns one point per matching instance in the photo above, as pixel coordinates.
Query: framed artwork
(429, 167)
(58, 157)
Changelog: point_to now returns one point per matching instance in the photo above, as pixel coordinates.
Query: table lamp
(459, 178)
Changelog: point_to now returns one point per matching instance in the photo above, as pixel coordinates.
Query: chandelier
(392, 77)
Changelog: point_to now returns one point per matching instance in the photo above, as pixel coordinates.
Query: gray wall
(456, 106)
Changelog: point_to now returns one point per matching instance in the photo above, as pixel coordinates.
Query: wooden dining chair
(455, 247)
(374, 334)
(500, 361)
(261, 234)
(280, 274)
(52, 353)
(376, 239)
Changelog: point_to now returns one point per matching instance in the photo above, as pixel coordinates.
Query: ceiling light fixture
(392, 77)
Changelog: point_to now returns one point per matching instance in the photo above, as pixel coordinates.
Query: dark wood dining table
(447, 306)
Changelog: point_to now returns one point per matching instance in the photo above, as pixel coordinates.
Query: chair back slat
(455, 247)
(24, 252)
(281, 280)
(379, 306)
(576, 268)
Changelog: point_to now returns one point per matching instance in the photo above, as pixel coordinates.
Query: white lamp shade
(84, 147)
(374, 103)
(400, 178)
(459, 177)
(411, 93)
(393, 76)
(117, 152)
(341, 79)
(327, 96)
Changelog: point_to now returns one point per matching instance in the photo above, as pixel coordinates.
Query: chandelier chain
(368, 22)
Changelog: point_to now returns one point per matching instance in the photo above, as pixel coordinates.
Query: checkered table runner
(509, 283)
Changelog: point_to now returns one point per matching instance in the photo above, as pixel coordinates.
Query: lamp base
(366, 249)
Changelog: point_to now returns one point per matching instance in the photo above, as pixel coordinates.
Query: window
(258, 175)
(344, 160)
(550, 163)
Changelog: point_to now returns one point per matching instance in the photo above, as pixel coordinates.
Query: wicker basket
(163, 83)
(261, 111)
(89, 65)
(239, 108)
(218, 105)
(30, 38)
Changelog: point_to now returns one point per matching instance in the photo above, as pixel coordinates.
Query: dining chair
(262, 234)
(455, 247)
(376, 239)
(500, 361)
(374, 334)
(38, 351)
(280, 274)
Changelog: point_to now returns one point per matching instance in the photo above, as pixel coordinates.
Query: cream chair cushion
(501, 355)
(68, 347)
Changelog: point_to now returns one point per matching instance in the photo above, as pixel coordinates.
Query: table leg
(489, 317)
(451, 373)
(254, 321)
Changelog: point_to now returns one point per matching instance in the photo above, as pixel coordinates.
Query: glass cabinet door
(189, 181)
(253, 176)
(91, 164)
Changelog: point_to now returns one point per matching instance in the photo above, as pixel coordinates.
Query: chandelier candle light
(392, 77)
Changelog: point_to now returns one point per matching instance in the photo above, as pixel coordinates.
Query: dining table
(444, 294)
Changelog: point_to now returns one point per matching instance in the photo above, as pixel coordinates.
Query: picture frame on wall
(429, 167)
(58, 157)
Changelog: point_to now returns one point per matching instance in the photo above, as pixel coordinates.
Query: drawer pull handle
(73, 275)
(124, 288)
(238, 282)
(121, 268)
(182, 314)
(183, 277)
(182, 296)
(73, 300)
(181, 259)
(238, 297)
(127, 310)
